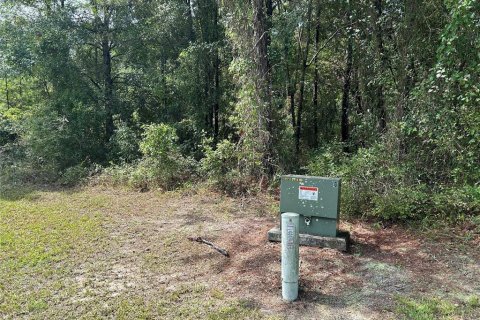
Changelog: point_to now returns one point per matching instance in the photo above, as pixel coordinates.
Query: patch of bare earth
(147, 253)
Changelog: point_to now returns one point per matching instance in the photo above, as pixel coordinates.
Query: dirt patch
(154, 253)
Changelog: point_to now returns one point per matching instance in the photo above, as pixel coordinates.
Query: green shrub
(61, 135)
(159, 141)
(400, 203)
(457, 202)
(370, 181)
(220, 161)
(74, 175)
(162, 164)
(376, 184)
(221, 167)
(7, 131)
(124, 143)
(326, 162)
(117, 175)
(190, 138)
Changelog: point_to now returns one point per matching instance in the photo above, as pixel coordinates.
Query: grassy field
(96, 253)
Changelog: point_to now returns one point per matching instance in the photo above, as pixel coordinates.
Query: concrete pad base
(341, 242)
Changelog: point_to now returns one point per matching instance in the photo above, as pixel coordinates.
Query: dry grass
(111, 253)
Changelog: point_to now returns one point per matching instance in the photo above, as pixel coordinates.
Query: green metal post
(290, 255)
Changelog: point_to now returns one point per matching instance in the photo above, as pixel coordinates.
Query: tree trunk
(292, 105)
(315, 80)
(290, 85)
(268, 22)
(107, 74)
(108, 87)
(346, 86)
(191, 32)
(263, 87)
(208, 106)
(356, 90)
(298, 131)
(216, 104)
(261, 48)
(381, 51)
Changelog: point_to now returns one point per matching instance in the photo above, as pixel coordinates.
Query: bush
(373, 181)
(376, 184)
(159, 141)
(123, 143)
(190, 139)
(221, 167)
(400, 203)
(326, 162)
(74, 175)
(457, 202)
(220, 161)
(12, 168)
(162, 164)
(368, 179)
(61, 135)
(7, 131)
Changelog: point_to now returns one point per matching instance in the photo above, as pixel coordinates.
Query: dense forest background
(163, 93)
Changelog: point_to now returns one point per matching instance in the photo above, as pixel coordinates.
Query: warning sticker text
(308, 193)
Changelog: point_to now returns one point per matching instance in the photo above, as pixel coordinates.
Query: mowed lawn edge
(41, 233)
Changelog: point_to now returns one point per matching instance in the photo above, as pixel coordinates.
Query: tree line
(384, 93)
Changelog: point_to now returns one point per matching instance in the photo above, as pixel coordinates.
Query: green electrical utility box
(316, 199)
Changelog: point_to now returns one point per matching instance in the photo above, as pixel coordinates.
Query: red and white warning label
(308, 193)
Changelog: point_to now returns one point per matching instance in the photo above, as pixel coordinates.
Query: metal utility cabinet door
(316, 199)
